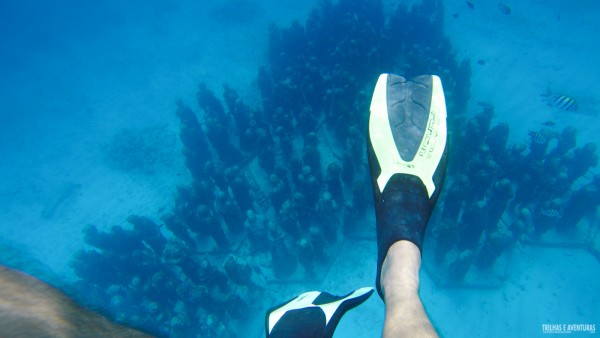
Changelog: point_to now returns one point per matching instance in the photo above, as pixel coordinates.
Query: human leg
(404, 312)
(407, 156)
(32, 308)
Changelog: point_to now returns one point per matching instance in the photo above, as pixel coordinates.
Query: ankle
(400, 271)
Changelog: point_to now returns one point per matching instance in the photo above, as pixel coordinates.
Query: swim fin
(312, 314)
(407, 150)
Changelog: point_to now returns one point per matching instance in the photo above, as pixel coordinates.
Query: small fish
(537, 137)
(550, 212)
(504, 8)
(470, 5)
(549, 124)
(563, 102)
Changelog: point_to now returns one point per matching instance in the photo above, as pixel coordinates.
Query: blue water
(135, 138)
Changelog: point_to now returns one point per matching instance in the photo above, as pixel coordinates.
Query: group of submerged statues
(273, 189)
(499, 194)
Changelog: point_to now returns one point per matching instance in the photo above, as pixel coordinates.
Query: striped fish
(537, 137)
(563, 102)
(550, 212)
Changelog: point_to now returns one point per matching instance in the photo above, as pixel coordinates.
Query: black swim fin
(313, 314)
(407, 150)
